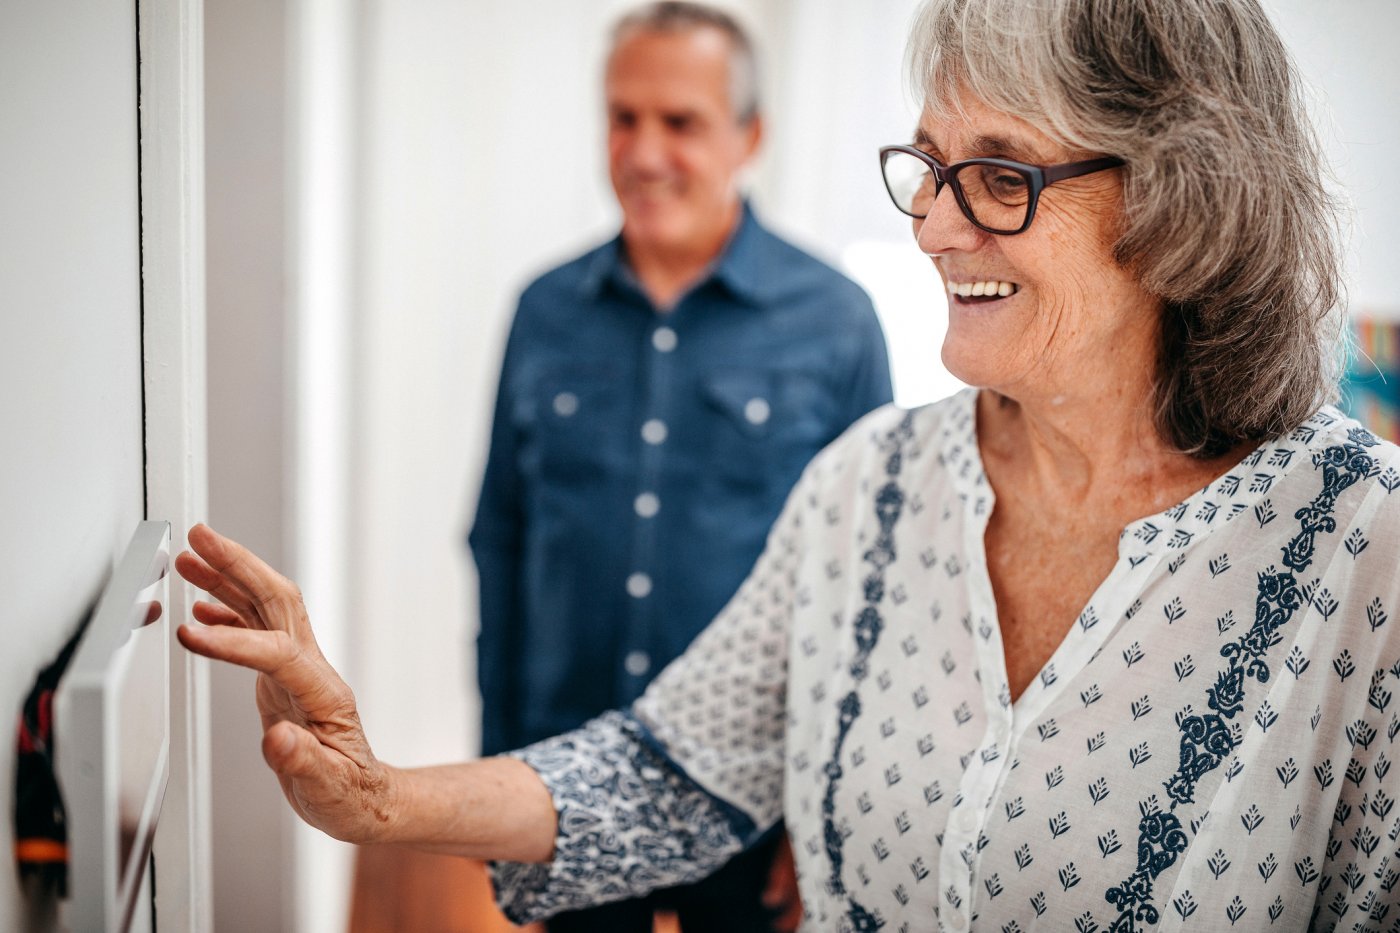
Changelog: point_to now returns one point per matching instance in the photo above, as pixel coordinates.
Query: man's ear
(753, 137)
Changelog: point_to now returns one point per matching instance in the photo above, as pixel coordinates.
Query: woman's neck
(1101, 446)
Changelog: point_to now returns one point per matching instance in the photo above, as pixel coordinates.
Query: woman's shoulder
(1355, 455)
(1351, 494)
(914, 433)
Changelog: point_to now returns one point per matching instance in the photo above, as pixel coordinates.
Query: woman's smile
(980, 291)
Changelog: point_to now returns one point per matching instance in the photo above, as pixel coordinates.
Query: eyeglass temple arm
(1074, 169)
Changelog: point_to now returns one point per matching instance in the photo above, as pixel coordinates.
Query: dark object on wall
(41, 832)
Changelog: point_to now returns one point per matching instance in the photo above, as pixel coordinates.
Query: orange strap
(40, 850)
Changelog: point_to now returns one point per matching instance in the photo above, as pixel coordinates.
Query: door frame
(170, 39)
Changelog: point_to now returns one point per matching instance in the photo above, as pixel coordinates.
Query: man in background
(659, 397)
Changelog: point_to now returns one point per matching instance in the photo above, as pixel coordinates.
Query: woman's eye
(1008, 181)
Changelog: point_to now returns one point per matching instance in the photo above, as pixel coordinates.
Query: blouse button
(957, 921)
(967, 820)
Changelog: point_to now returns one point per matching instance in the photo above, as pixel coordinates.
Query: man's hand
(312, 736)
(780, 895)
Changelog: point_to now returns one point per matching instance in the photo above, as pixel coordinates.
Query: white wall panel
(246, 153)
(1348, 55)
(71, 488)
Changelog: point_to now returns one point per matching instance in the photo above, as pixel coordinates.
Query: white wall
(246, 155)
(71, 487)
(1348, 52)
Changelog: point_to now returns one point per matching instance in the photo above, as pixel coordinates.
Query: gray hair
(1227, 215)
(678, 16)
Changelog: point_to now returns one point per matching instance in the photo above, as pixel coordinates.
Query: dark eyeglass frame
(1039, 177)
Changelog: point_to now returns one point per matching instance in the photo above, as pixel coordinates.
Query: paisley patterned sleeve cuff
(630, 821)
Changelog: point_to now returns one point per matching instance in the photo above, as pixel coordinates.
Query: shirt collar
(738, 267)
(1241, 489)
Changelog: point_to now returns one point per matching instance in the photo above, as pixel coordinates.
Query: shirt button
(647, 504)
(664, 339)
(757, 411)
(654, 431)
(957, 921)
(638, 585)
(565, 404)
(967, 820)
(636, 663)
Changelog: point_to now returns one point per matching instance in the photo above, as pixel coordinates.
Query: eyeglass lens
(995, 196)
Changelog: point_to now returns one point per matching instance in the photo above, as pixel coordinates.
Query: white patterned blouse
(1211, 747)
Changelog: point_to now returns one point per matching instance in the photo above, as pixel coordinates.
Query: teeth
(980, 289)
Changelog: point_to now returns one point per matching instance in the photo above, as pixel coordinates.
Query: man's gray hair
(675, 16)
(1228, 217)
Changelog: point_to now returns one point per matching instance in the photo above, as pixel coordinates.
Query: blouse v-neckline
(1142, 546)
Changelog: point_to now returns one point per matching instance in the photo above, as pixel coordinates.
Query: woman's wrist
(385, 807)
(495, 808)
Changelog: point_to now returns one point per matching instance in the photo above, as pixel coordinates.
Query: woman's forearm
(496, 808)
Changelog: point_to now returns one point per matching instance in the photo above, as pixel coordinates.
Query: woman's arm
(495, 809)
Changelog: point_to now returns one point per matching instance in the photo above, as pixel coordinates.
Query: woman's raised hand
(312, 736)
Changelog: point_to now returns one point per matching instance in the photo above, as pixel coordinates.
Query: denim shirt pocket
(770, 422)
(568, 420)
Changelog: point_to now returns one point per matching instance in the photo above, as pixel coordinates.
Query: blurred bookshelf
(1371, 389)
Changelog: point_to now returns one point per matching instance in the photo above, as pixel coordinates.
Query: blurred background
(384, 177)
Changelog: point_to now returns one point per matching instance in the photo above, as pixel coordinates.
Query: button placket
(637, 663)
(977, 792)
(656, 364)
(654, 432)
(664, 339)
(646, 505)
(639, 585)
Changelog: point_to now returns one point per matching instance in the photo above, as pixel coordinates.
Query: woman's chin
(975, 363)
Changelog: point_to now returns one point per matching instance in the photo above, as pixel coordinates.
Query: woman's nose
(946, 229)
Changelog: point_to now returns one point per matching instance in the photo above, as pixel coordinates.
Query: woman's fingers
(325, 787)
(311, 777)
(293, 752)
(261, 651)
(311, 685)
(276, 600)
(214, 614)
(273, 653)
(200, 574)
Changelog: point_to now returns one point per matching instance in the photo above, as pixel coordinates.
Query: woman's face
(1072, 312)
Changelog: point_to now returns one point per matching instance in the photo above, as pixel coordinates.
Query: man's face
(674, 146)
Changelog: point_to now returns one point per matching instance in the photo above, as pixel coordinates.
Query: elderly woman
(1102, 643)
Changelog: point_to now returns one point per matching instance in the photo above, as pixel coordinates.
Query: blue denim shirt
(638, 458)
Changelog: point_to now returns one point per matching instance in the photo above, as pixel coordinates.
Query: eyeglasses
(998, 195)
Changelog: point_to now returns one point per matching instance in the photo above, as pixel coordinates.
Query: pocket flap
(750, 398)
